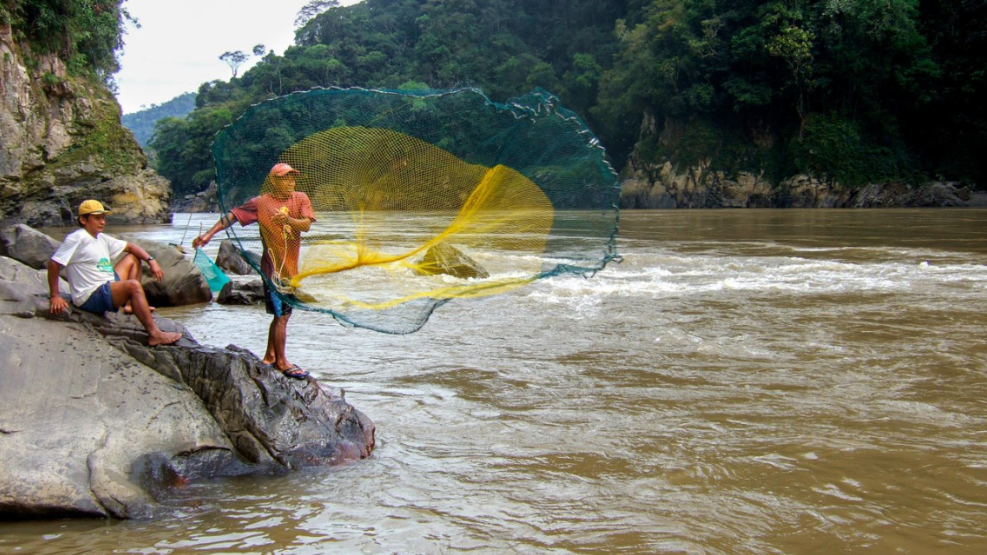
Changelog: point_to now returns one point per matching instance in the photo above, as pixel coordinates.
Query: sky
(178, 45)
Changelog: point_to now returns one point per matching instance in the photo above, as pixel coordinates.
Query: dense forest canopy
(852, 91)
(87, 34)
(856, 90)
(848, 90)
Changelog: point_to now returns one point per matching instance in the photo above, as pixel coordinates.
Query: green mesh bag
(213, 274)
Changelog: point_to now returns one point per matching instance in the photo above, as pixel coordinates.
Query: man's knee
(132, 287)
(125, 290)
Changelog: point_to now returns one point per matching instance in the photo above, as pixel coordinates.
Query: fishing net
(419, 197)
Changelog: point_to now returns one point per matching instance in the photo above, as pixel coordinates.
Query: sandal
(295, 372)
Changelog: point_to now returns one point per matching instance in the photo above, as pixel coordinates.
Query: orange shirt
(282, 244)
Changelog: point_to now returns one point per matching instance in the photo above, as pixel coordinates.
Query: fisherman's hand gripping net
(420, 197)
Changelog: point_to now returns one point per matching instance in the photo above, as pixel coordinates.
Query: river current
(744, 382)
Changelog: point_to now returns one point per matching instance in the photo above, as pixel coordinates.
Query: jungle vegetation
(854, 91)
(87, 34)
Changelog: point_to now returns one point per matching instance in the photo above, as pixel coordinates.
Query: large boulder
(27, 245)
(76, 414)
(230, 260)
(183, 283)
(20, 286)
(93, 422)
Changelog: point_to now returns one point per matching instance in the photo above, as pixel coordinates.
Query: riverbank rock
(203, 201)
(95, 423)
(667, 185)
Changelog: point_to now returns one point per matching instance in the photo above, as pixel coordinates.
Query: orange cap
(282, 169)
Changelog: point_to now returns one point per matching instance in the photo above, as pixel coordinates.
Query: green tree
(234, 59)
(183, 147)
(794, 45)
(312, 9)
(767, 68)
(952, 127)
(581, 82)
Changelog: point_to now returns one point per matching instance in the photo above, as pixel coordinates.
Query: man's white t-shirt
(88, 261)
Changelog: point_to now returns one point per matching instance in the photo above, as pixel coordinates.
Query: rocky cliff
(61, 142)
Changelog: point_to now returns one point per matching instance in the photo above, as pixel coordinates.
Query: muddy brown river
(744, 382)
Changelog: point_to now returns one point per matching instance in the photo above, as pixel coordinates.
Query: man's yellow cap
(91, 207)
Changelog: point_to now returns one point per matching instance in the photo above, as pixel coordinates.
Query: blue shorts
(274, 303)
(102, 299)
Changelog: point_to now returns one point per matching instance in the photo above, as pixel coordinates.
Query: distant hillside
(142, 123)
(851, 93)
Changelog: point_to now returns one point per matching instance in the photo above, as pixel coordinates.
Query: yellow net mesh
(417, 198)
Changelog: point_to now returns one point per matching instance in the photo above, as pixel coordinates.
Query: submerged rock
(242, 291)
(93, 422)
(446, 259)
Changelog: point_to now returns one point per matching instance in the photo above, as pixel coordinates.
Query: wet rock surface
(93, 422)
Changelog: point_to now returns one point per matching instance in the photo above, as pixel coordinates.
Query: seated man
(96, 285)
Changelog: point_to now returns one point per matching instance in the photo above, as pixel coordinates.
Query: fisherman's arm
(223, 223)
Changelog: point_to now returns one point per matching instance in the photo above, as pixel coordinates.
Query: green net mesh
(419, 197)
(213, 274)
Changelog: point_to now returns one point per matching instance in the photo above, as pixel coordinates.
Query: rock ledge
(95, 423)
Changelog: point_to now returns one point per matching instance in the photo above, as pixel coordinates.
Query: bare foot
(127, 309)
(164, 338)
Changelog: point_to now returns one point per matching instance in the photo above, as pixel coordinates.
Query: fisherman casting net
(420, 197)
